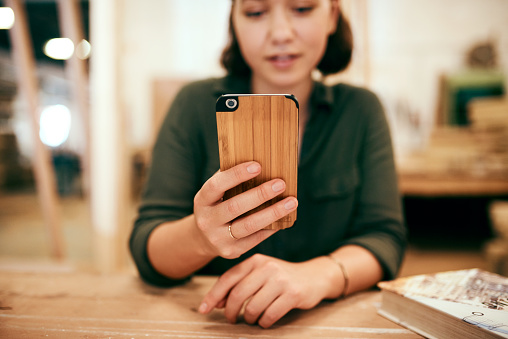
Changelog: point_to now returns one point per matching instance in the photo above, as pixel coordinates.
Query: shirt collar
(232, 85)
(321, 98)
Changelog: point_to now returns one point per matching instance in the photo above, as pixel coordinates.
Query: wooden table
(428, 186)
(71, 305)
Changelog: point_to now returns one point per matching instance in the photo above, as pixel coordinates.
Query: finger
(213, 189)
(242, 245)
(260, 302)
(244, 290)
(280, 307)
(246, 201)
(223, 285)
(221, 304)
(253, 223)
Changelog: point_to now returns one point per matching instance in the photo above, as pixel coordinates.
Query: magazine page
(486, 318)
(475, 296)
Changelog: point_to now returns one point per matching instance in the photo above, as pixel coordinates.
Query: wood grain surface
(83, 305)
(263, 128)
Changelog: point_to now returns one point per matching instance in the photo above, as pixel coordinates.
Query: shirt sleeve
(378, 219)
(171, 183)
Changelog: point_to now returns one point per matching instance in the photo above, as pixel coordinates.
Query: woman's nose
(281, 27)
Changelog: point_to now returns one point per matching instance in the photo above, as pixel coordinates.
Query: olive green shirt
(347, 185)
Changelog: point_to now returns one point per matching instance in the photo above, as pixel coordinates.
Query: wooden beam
(110, 167)
(72, 27)
(43, 167)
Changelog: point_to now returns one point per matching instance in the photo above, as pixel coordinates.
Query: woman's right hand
(216, 219)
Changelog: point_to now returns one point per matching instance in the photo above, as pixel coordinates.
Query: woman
(349, 233)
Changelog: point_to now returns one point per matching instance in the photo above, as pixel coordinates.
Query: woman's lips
(283, 61)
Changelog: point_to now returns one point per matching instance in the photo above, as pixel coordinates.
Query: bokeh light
(6, 17)
(59, 48)
(55, 125)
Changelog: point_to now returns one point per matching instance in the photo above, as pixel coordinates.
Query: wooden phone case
(263, 128)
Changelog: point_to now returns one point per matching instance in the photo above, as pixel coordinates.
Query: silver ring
(231, 234)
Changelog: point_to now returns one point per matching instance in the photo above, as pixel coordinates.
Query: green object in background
(462, 87)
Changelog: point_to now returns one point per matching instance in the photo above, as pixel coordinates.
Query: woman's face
(283, 41)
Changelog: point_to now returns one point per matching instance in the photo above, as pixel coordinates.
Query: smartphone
(263, 128)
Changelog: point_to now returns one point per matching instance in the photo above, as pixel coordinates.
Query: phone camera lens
(231, 103)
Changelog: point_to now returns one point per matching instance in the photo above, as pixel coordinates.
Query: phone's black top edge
(250, 95)
(289, 96)
(220, 104)
(292, 97)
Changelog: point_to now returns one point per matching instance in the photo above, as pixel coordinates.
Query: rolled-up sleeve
(171, 184)
(378, 224)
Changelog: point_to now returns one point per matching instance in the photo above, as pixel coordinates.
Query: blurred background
(85, 84)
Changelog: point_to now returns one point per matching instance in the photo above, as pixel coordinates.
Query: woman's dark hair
(336, 58)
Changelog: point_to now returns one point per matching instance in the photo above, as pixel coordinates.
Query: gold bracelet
(344, 273)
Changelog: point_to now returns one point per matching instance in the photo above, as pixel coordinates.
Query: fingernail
(203, 308)
(290, 204)
(278, 186)
(253, 168)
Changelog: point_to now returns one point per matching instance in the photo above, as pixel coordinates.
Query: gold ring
(231, 234)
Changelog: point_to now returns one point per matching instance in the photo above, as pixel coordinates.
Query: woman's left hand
(270, 288)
